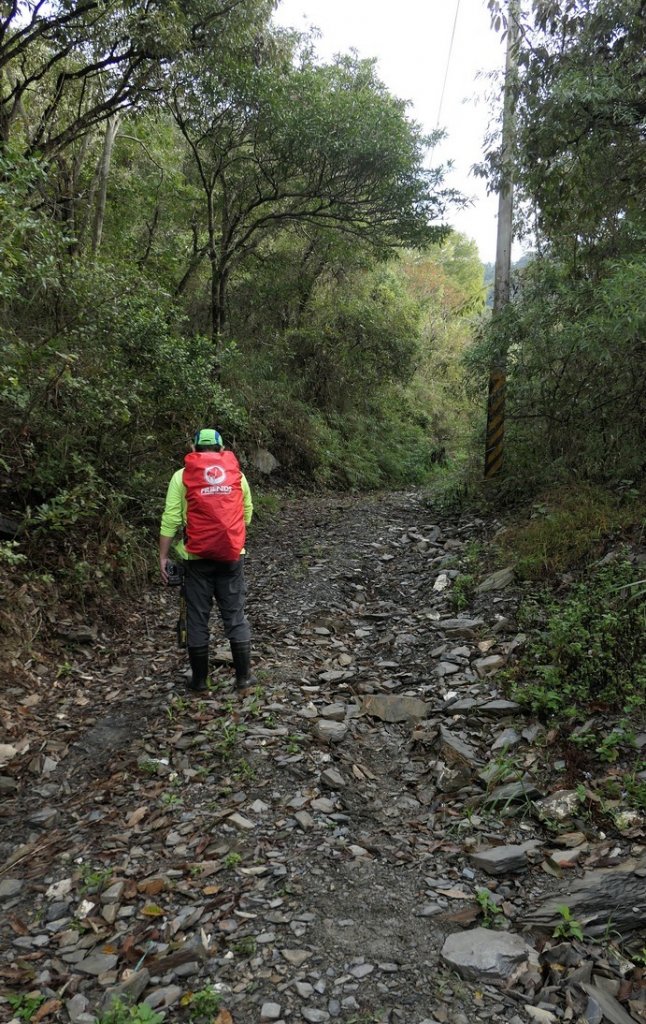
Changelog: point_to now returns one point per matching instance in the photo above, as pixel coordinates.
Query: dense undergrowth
(579, 559)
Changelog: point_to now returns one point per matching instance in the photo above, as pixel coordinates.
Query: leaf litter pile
(375, 834)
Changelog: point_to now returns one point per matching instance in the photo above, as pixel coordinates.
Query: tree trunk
(216, 310)
(111, 129)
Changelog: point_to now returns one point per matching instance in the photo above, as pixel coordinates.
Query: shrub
(587, 654)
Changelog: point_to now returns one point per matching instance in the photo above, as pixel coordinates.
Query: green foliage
(120, 1013)
(573, 333)
(10, 556)
(240, 276)
(588, 653)
(463, 591)
(94, 879)
(246, 946)
(203, 1005)
(569, 927)
(489, 909)
(24, 1006)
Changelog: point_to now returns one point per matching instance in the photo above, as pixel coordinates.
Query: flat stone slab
(97, 964)
(392, 708)
(497, 581)
(330, 731)
(489, 666)
(502, 859)
(483, 954)
(559, 806)
(506, 739)
(10, 887)
(334, 712)
(456, 750)
(128, 991)
(512, 791)
(332, 779)
(499, 707)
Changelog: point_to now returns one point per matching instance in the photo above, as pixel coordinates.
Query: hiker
(210, 501)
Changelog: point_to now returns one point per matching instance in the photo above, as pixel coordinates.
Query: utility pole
(494, 445)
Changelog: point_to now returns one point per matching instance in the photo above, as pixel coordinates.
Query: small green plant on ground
(244, 770)
(177, 706)
(232, 859)
(171, 800)
(488, 908)
(246, 946)
(93, 879)
(120, 1013)
(636, 787)
(463, 591)
(504, 767)
(203, 1005)
(25, 1006)
(569, 927)
(229, 733)
(294, 743)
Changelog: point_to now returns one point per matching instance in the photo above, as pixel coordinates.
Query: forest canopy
(201, 222)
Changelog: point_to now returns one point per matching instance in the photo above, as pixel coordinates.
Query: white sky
(411, 40)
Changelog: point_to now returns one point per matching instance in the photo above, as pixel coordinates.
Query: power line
(448, 62)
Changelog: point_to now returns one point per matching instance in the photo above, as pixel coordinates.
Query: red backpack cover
(215, 510)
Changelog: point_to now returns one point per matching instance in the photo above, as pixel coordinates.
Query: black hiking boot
(199, 660)
(241, 652)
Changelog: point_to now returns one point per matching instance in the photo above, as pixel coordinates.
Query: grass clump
(570, 527)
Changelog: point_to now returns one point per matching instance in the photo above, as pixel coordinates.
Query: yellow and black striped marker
(495, 423)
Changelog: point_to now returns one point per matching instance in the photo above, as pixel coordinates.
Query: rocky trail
(377, 834)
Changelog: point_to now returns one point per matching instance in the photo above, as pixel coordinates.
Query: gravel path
(304, 854)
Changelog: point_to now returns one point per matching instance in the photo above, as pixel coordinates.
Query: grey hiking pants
(204, 581)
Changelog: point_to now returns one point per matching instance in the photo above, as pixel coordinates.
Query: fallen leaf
(224, 1017)
(152, 910)
(455, 893)
(136, 816)
(7, 753)
(151, 886)
(51, 1006)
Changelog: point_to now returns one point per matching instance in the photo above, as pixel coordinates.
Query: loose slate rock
(511, 791)
(10, 887)
(499, 707)
(332, 779)
(489, 665)
(97, 964)
(270, 1011)
(392, 708)
(497, 581)
(484, 954)
(501, 859)
(456, 750)
(128, 991)
(314, 1016)
(612, 1010)
(559, 806)
(329, 731)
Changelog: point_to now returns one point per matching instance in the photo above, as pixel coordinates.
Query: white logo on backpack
(215, 475)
